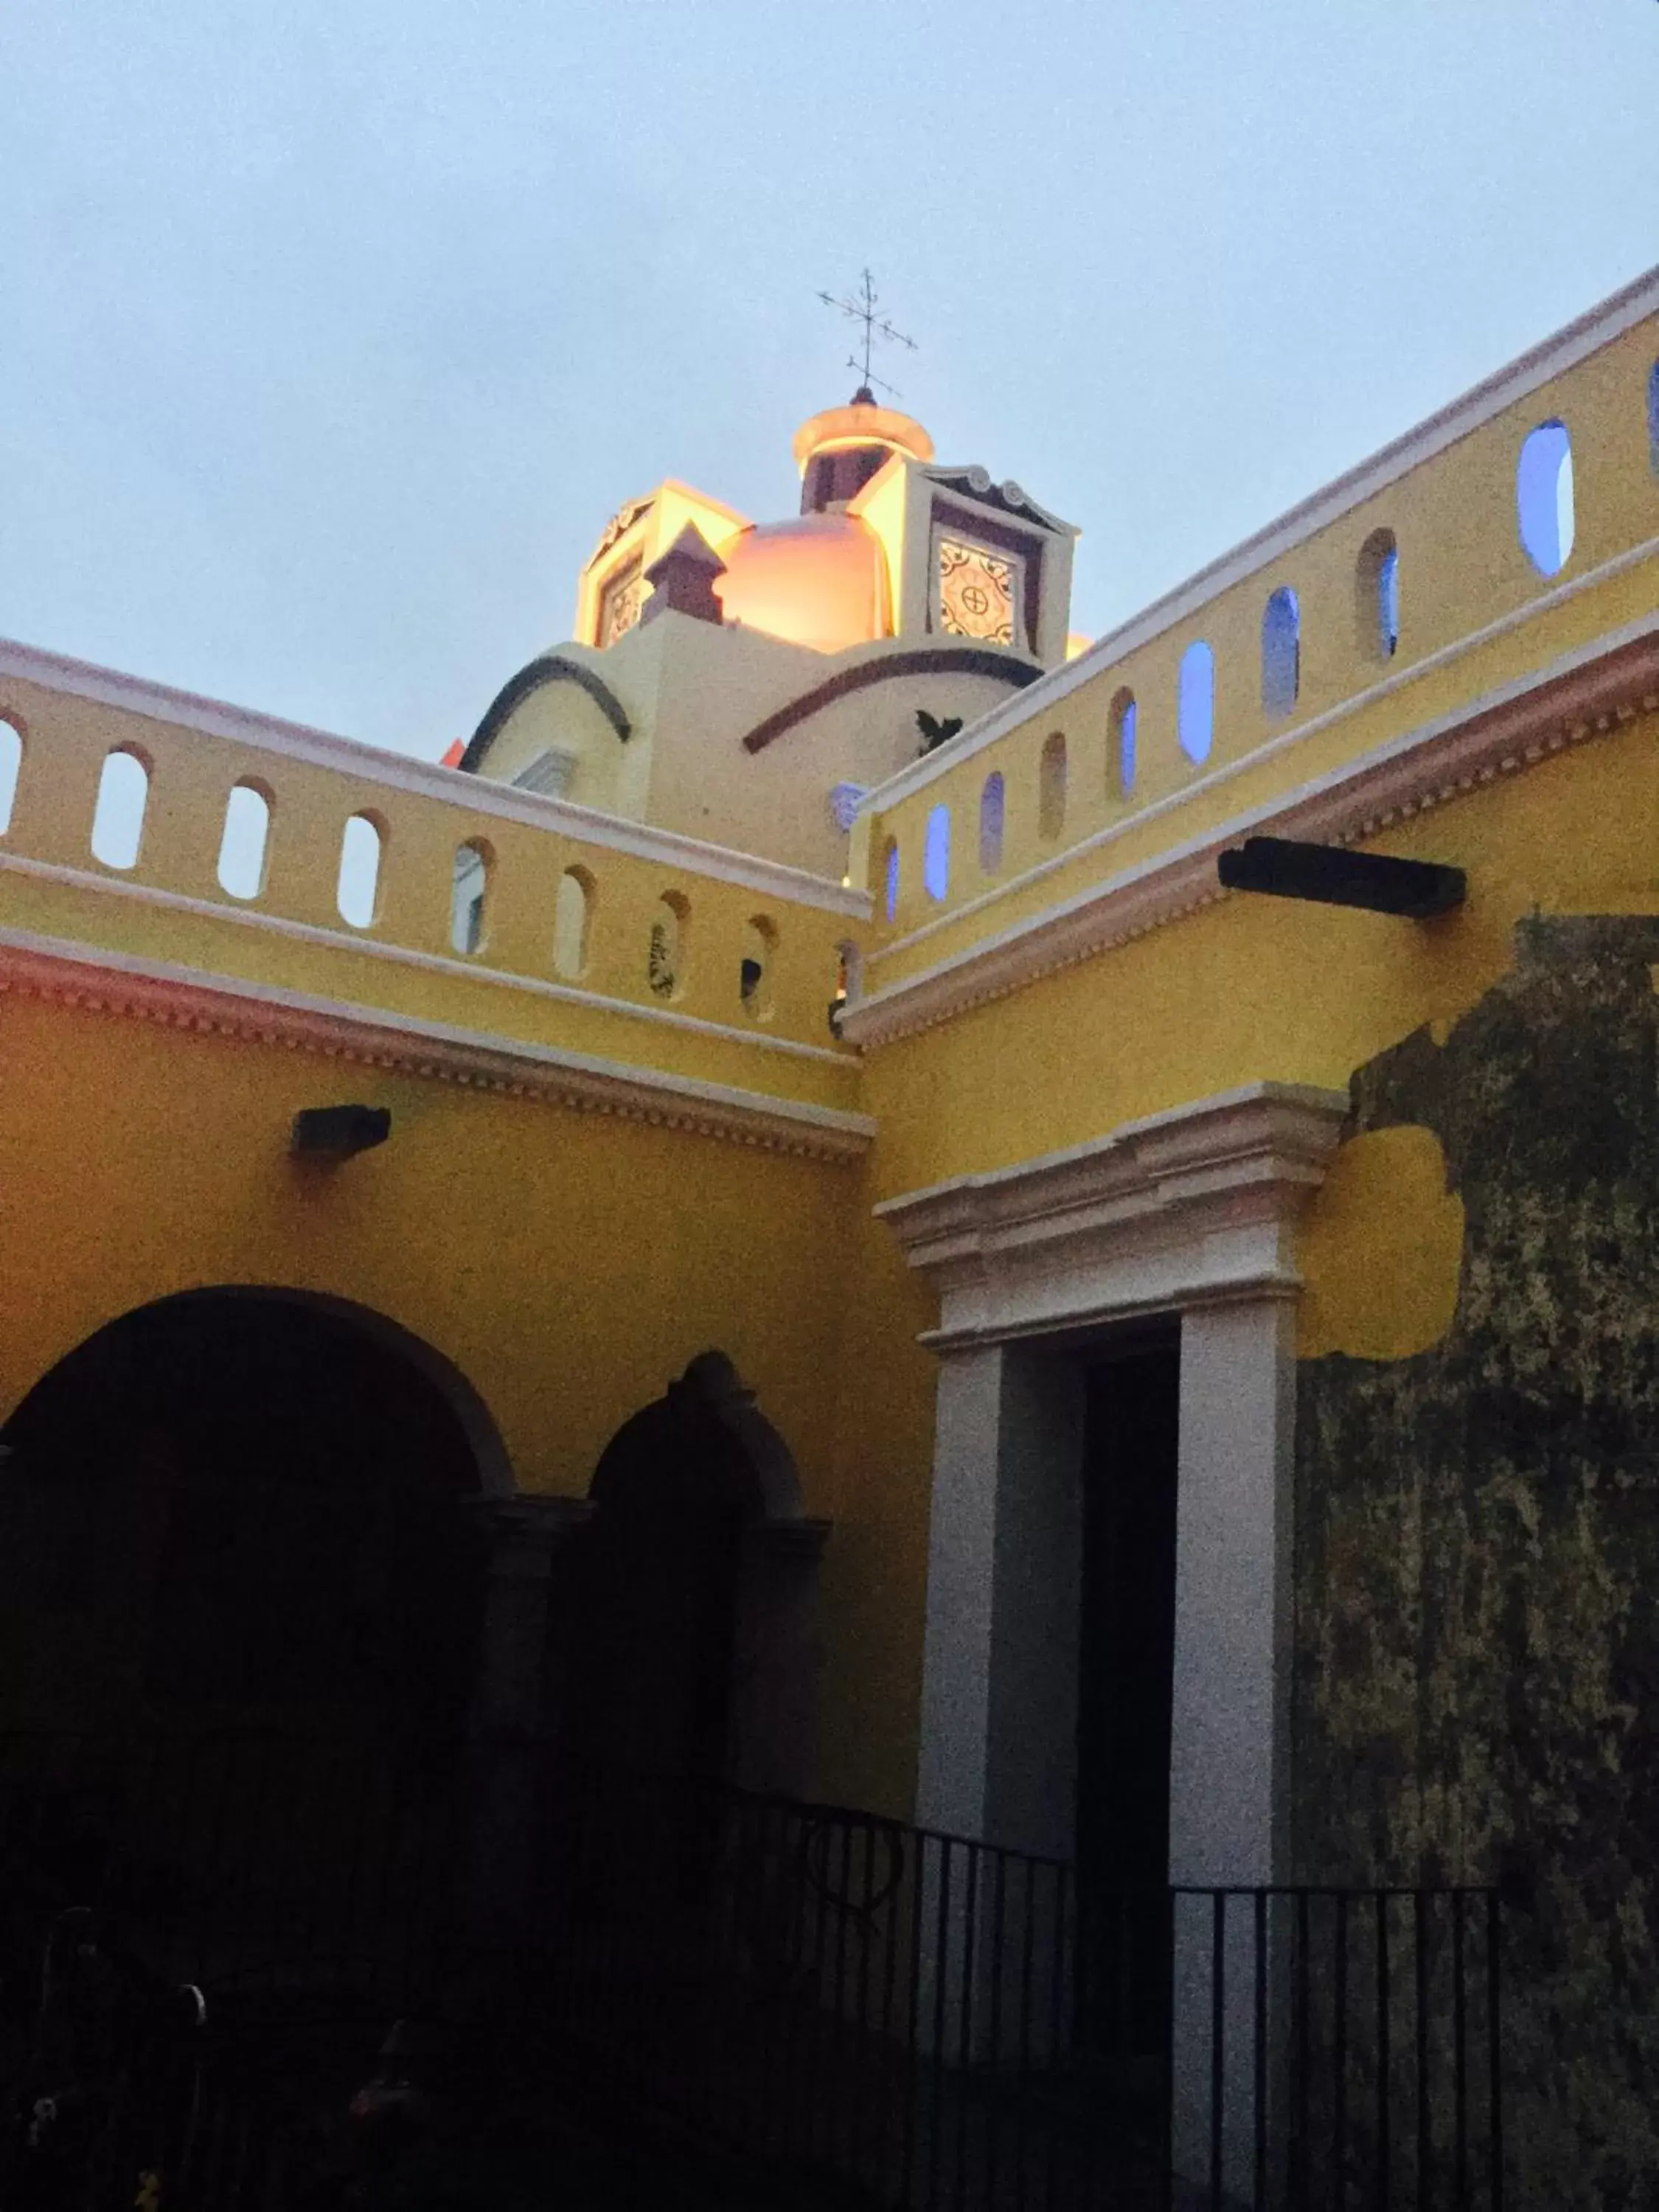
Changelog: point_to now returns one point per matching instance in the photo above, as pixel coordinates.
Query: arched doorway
(242, 1587)
(240, 1508)
(693, 1650)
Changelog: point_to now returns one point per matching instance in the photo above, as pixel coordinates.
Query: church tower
(744, 682)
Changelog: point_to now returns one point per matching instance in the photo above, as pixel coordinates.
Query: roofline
(137, 695)
(1600, 327)
(560, 667)
(937, 659)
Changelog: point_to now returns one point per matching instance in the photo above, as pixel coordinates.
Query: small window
(1051, 787)
(936, 855)
(549, 775)
(1195, 701)
(1543, 497)
(1653, 418)
(1121, 722)
(242, 846)
(990, 823)
(469, 890)
(572, 915)
(665, 958)
(1281, 652)
(117, 821)
(754, 975)
(890, 873)
(11, 759)
(1377, 596)
(357, 891)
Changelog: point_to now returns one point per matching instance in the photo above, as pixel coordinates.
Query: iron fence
(943, 2023)
(822, 2004)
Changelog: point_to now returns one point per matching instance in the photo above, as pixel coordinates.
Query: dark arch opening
(693, 1626)
(244, 1508)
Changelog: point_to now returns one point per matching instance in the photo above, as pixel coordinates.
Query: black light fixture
(1285, 867)
(335, 1132)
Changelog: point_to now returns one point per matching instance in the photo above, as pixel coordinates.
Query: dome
(821, 582)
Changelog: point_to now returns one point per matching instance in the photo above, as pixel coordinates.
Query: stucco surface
(1478, 1548)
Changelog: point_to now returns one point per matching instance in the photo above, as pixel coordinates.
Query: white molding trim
(1582, 693)
(408, 956)
(1589, 334)
(137, 695)
(1190, 1207)
(70, 974)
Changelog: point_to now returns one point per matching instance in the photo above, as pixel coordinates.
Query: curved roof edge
(547, 668)
(919, 661)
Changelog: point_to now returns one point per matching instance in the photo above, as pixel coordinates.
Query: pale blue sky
(332, 331)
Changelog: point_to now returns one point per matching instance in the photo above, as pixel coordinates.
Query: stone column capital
(801, 1538)
(522, 1532)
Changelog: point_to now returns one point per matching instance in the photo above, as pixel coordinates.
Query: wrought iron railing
(943, 2022)
(850, 2008)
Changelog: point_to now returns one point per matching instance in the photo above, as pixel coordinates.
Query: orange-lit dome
(820, 581)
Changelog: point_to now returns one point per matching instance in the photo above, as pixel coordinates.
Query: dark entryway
(1124, 1684)
(235, 1508)
(651, 1672)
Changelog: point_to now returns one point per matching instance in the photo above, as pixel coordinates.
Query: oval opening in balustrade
(936, 856)
(11, 761)
(1121, 721)
(890, 878)
(760, 946)
(245, 842)
(1051, 787)
(1377, 596)
(469, 895)
(1195, 701)
(1653, 418)
(357, 888)
(1281, 652)
(664, 959)
(1543, 496)
(572, 922)
(118, 820)
(991, 813)
(850, 982)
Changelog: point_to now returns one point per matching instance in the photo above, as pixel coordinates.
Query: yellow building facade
(1016, 1166)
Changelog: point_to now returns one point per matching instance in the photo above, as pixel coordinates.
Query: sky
(333, 332)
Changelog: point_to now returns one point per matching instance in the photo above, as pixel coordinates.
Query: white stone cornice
(71, 973)
(1196, 1205)
(1583, 693)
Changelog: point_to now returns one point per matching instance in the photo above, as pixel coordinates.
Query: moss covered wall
(1477, 1670)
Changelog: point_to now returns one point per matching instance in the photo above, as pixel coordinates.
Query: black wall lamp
(335, 1132)
(1283, 867)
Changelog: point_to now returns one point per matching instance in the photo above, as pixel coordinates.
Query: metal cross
(862, 309)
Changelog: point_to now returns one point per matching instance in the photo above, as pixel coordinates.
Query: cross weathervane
(862, 309)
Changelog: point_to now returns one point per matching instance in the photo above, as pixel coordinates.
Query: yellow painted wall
(777, 801)
(406, 963)
(569, 1264)
(1475, 617)
(1249, 988)
(609, 774)
(1243, 990)
(692, 692)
